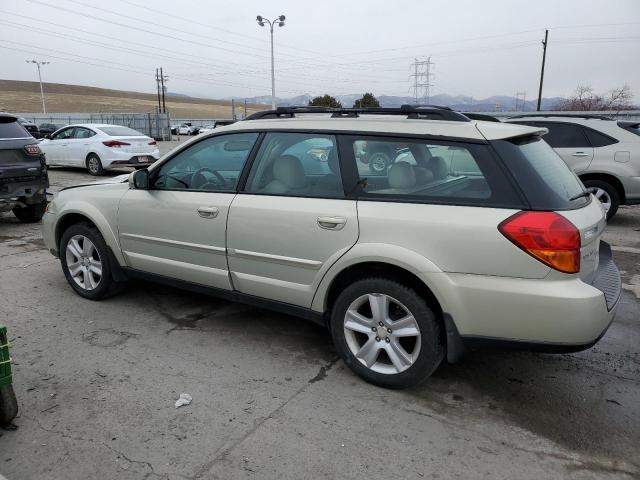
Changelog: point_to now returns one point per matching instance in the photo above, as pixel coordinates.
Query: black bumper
(607, 278)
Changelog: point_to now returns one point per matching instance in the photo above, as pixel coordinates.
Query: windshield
(121, 132)
(546, 180)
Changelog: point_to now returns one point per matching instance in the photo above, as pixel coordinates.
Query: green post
(8, 402)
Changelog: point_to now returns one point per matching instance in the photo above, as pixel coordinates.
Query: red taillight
(115, 143)
(152, 142)
(547, 236)
(32, 149)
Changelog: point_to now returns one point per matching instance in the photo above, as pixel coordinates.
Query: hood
(106, 181)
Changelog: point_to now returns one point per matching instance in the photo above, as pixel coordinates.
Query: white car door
(177, 228)
(55, 148)
(78, 146)
(292, 220)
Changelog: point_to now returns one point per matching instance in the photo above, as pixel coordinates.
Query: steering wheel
(198, 180)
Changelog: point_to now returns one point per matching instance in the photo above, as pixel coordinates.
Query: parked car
(31, 127)
(405, 268)
(99, 147)
(49, 128)
(604, 153)
(206, 129)
(23, 173)
(187, 129)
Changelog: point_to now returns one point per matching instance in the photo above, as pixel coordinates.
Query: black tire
(106, 286)
(379, 162)
(432, 348)
(31, 213)
(8, 404)
(610, 191)
(94, 165)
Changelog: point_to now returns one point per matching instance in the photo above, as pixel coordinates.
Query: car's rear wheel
(606, 194)
(85, 262)
(94, 165)
(386, 333)
(31, 213)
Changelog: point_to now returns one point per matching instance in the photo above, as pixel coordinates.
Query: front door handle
(579, 154)
(332, 223)
(208, 212)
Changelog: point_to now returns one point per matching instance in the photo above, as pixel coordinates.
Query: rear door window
(429, 171)
(565, 135)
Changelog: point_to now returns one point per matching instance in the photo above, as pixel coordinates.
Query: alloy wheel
(382, 333)
(604, 198)
(83, 262)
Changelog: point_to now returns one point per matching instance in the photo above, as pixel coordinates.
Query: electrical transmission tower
(422, 75)
(521, 97)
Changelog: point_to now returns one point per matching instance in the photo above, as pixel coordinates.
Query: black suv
(23, 172)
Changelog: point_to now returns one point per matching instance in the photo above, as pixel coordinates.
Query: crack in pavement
(145, 463)
(225, 451)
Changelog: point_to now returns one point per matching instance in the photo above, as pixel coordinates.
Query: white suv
(476, 234)
(604, 153)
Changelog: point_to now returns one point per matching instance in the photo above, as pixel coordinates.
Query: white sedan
(99, 147)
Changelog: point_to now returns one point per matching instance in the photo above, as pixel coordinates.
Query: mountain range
(456, 102)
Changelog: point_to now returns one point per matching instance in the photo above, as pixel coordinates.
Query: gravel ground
(97, 382)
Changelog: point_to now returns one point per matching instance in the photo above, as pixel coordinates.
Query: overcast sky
(216, 48)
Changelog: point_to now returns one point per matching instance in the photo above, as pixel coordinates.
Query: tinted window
(297, 164)
(214, 164)
(83, 133)
(545, 179)
(564, 135)
(63, 134)
(598, 139)
(12, 129)
(121, 132)
(632, 127)
(438, 171)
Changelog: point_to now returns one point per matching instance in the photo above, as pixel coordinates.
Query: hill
(20, 96)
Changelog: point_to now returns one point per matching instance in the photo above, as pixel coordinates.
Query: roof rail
(563, 115)
(427, 112)
(481, 116)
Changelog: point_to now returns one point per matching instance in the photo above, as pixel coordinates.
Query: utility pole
(158, 88)
(544, 56)
(233, 109)
(422, 79)
(245, 108)
(38, 63)
(163, 79)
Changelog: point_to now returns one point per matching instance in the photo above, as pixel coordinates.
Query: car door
(56, 148)
(78, 146)
(177, 228)
(291, 221)
(570, 142)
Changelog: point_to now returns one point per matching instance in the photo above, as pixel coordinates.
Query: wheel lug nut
(374, 329)
(381, 324)
(388, 330)
(387, 339)
(377, 339)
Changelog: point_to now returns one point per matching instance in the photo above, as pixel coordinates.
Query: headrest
(423, 175)
(438, 167)
(401, 175)
(288, 170)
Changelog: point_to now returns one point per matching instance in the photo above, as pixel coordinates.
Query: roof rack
(563, 115)
(427, 112)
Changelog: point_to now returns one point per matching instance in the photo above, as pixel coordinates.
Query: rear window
(121, 132)
(630, 127)
(545, 179)
(12, 129)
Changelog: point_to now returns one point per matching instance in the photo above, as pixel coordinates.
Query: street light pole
(261, 21)
(44, 110)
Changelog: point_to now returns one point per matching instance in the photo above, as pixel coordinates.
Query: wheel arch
(608, 178)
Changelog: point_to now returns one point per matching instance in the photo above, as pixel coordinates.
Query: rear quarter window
(546, 180)
(598, 139)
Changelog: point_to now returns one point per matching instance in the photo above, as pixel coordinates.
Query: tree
(585, 99)
(325, 101)
(367, 100)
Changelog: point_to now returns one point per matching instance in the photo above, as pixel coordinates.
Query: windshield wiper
(585, 193)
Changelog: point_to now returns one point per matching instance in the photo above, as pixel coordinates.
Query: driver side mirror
(139, 179)
(48, 136)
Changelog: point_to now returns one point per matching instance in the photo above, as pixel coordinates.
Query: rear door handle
(208, 212)
(579, 154)
(332, 223)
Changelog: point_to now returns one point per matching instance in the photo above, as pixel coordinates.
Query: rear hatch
(19, 153)
(549, 185)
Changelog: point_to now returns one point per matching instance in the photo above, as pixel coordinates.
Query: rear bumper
(529, 314)
(25, 190)
(116, 159)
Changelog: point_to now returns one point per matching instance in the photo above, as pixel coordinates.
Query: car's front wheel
(85, 262)
(386, 333)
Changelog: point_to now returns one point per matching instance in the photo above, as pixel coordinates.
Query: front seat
(288, 176)
(438, 167)
(330, 184)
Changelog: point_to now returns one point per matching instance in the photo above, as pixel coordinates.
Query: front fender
(372, 252)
